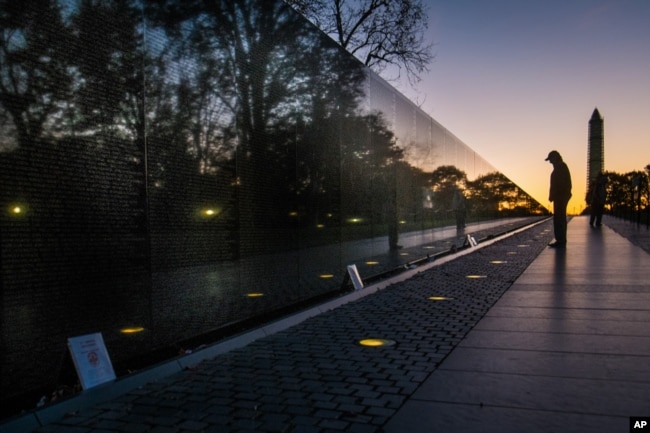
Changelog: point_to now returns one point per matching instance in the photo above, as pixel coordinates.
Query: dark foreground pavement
(511, 337)
(565, 349)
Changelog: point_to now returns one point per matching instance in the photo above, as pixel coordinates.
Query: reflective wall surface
(180, 167)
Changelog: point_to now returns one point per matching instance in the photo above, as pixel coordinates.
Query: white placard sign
(355, 277)
(91, 360)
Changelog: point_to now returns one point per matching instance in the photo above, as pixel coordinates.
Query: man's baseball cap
(551, 154)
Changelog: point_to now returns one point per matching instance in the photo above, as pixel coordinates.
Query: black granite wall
(162, 161)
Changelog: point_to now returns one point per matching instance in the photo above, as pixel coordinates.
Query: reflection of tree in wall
(221, 70)
(285, 97)
(73, 96)
(370, 158)
(245, 109)
(444, 181)
(411, 182)
(34, 78)
(326, 100)
(280, 88)
(290, 101)
(493, 192)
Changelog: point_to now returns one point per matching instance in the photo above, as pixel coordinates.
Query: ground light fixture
(440, 298)
(475, 277)
(498, 262)
(376, 342)
(326, 276)
(254, 295)
(129, 330)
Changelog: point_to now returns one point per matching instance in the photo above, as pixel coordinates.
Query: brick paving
(315, 377)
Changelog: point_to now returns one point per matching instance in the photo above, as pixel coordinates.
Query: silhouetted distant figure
(559, 194)
(596, 199)
(459, 205)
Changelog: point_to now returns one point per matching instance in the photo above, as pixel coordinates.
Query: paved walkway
(512, 337)
(566, 349)
(638, 234)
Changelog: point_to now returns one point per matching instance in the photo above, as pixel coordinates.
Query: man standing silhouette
(559, 194)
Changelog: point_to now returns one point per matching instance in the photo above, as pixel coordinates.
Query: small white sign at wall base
(355, 277)
(91, 360)
(471, 241)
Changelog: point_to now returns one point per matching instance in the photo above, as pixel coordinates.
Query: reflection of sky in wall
(428, 144)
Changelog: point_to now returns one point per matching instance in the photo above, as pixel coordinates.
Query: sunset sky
(515, 79)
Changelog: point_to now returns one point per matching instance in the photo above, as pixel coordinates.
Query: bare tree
(386, 35)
